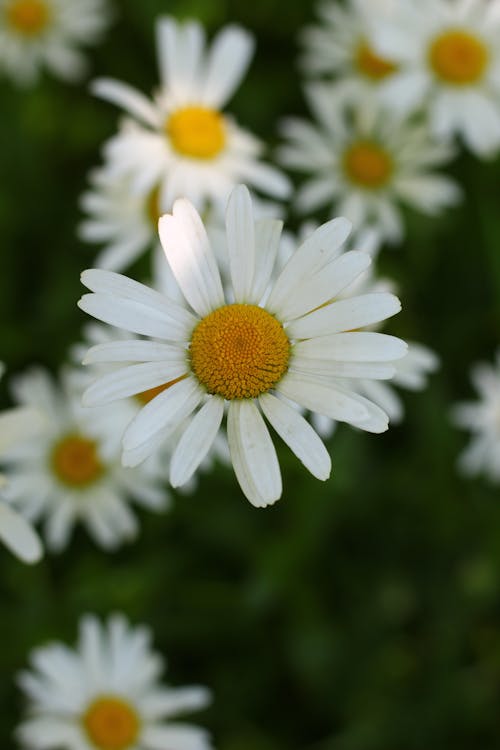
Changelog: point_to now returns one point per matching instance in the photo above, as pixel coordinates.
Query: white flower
(70, 474)
(364, 162)
(482, 418)
(340, 45)
(106, 694)
(448, 56)
(16, 426)
(181, 142)
(241, 350)
(48, 33)
(127, 221)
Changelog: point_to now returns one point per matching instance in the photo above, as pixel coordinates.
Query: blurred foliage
(360, 614)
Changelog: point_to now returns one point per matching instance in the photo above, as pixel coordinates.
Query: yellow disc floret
(75, 461)
(372, 65)
(458, 57)
(239, 351)
(198, 132)
(367, 164)
(111, 723)
(28, 17)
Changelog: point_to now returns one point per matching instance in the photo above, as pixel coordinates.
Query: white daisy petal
(196, 441)
(227, 63)
(267, 239)
(346, 315)
(357, 346)
(298, 435)
(325, 285)
(331, 400)
(241, 242)
(253, 454)
(17, 534)
(168, 409)
(191, 259)
(127, 97)
(132, 380)
(133, 350)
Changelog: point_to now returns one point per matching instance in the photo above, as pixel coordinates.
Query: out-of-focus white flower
(181, 143)
(482, 418)
(17, 425)
(126, 221)
(70, 474)
(340, 45)
(106, 694)
(448, 57)
(247, 350)
(363, 162)
(48, 33)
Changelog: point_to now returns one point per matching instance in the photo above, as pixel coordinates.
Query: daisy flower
(48, 33)
(106, 694)
(364, 162)
(180, 142)
(126, 221)
(69, 474)
(250, 351)
(482, 419)
(448, 58)
(340, 45)
(17, 425)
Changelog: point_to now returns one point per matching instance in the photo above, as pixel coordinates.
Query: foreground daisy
(181, 143)
(48, 33)
(250, 351)
(69, 474)
(106, 695)
(482, 419)
(448, 58)
(364, 162)
(340, 45)
(16, 426)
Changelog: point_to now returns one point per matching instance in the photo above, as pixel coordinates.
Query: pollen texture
(239, 351)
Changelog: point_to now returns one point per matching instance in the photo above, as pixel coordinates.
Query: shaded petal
(331, 400)
(165, 411)
(267, 240)
(298, 435)
(196, 441)
(127, 97)
(240, 228)
(129, 381)
(17, 534)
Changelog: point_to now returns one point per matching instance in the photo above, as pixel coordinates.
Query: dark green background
(360, 614)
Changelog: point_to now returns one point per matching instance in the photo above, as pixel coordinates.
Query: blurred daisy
(242, 351)
(106, 694)
(48, 33)
(17, 425)
(482, 419)
(364, 163)
(340, 45)
(126, 221)
(181, 143)
(448, 57)
(68, 474)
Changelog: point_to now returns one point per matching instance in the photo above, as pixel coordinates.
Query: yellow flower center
(239, 351)
(198, 132)
(371, 65)
(367, 164)
(153, 210)
(75, 461)
(111, 723)
(144, 397)
(459, 58)
(28, 17)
